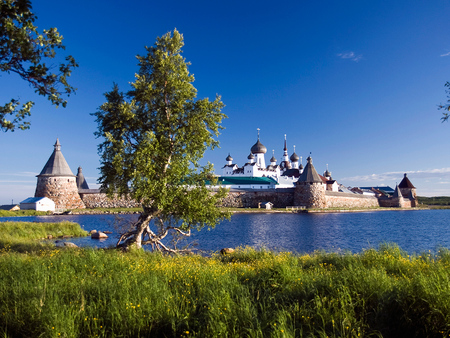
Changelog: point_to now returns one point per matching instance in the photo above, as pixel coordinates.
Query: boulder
(92, 232)
(98, 235)
(226, 251)
(70, 245)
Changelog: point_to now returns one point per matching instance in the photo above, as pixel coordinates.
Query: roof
(294, 157)
(244, 180)
(397, 192)
(406, 183)
(385, 189)
(81, 181)
(33, 199)
(294, 172)
(56, 164)
(258, 148)
(8, 207)
(310, 174)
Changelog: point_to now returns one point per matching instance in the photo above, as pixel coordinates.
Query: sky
(355, 83)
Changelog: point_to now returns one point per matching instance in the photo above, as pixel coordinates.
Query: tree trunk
(134, 236)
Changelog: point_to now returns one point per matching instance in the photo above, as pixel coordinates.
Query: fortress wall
(250, 199)
(346, 200)
(101, 200)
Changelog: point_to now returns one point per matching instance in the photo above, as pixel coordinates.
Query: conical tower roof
(397, 192)
(81, 181)
(310, 174)
(406, 183)
(56, 164)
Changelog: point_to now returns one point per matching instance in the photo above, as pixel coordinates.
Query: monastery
(288, 184)
(291, 184)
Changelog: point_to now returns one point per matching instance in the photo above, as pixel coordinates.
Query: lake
(415, 231)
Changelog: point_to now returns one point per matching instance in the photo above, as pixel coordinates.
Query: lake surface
(415, 231)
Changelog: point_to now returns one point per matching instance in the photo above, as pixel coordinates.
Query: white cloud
(350, 55)
(446, 54)
(397, 176)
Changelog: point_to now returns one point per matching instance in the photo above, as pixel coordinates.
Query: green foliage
(447, 105)
(439, 200)
(23, 51)
(106, 293)
(155, 136)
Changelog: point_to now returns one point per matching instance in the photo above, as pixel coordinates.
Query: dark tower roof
(294, 157)
(56, 164)
(310, 174)
(81, 181)
(406, 183)
(258, 148)
(251, 156)
(229, 158)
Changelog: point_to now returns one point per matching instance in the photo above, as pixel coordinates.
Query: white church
(255, 174)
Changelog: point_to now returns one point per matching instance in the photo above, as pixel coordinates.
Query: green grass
(7, 213)
(26, 236)
(106, 293)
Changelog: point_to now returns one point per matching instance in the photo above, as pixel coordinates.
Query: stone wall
(101, 200)
(61, 190)
(250, 199)
(347, 200)
(310, 195)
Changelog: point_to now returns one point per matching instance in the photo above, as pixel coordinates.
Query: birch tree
(154, 138)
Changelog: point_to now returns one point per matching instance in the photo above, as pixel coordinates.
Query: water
(414, 231)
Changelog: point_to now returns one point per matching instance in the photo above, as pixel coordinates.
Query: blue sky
(355, 83)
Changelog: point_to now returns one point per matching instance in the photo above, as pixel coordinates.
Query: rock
(67, 236)
(98, 235)
(70, 245)
(49, 237)
(226, 251)
(92, 232)
(107, 232)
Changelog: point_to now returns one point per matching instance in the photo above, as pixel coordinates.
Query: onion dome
(273, 159)
(327, 173)
(251, 156)
(294, 157)
(300, 167)
(229, 158)
(258, 148)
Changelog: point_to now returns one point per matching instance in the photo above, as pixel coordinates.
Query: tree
(154, 137)
(23, 51)
(446, 106)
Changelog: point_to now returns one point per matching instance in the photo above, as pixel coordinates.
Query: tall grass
(105, 293)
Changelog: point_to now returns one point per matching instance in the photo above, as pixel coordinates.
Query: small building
(38, 204)
(10, 207)
(265, 205)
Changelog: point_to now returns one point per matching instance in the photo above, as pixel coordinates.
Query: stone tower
(310, 189)
(57, 182)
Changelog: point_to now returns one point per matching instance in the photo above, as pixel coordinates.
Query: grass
(26, 236)
(7, 213)
(250, 293)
